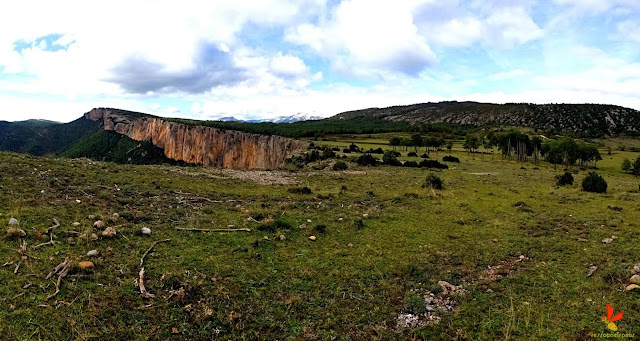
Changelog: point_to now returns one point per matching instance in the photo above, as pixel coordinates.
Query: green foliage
(367, 160)
(432, 164)
(414, 303)
(389, 158)
(595, 183)
(567, 152)
(300, 190)
(626, 165)
(112, 147)
(412, 154)
(410, 164)
(340, 165)
(433, 181)
(472, 143)
(449, 158)
(564, 179)
(636, 166)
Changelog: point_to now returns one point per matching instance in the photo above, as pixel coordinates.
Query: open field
(518, 247)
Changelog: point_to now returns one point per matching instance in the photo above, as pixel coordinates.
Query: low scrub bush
(594, 183)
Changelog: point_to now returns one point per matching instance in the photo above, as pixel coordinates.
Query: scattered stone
(635, 279)
(495, 240)
(312, 238)
(174, 330)
(76, 224)
(350, 245)
(92, 253)
(636, 268)
(282, 237)
(109, 232)
(340, 219)
(86, 266)
(98, 224)
(592, 269)
(265, 238)
(93, 237)
(213, 279)
(366, 215)
(450, 289)
(607, 241)
(309, 221)
(91, 217)
(632, 287)
(408, 321)
(115, 216)
(13, 222)
(146, 231)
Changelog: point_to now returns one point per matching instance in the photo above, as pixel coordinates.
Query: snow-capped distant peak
(295, 118)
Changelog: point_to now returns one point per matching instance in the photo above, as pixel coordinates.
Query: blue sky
(258, 59)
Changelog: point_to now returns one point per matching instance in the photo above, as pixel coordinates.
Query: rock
(366, 215)
(76, 224)
(115, 216)
(636, 268)
(15, 232)
(265, 238)
(592, 269)
(93, 237)
(282, 237)
(635, 279)
(495, 240)
(607, 241)
(632, 287)
(86, 266)
(13, 222)
(313, 238)
(109, 232)
(98, 224)
(146, 231)
(92, 253)
(340, 219)
(309, 221)
(91, 217)
(209, 146)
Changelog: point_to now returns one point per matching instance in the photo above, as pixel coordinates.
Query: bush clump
(433, 181)
(390, 159)
(367, 160)
(432, 164)
(594, 183)
(450, 158)
(300, 190)
(410, 164)
(412, 154)
(375, 151)
(424, 156)
(340, 165)
(564, 179)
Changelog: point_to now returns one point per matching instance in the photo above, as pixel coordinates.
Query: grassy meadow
(519, 246)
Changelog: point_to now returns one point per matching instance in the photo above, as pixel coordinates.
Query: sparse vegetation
(433, 181)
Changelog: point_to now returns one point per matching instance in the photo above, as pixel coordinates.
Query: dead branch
(143, 290)
(17, 267)
(215, 230)
(51, 242)
(152, 245)
(63, 271)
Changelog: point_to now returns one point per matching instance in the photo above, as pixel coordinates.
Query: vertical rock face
(207, 146)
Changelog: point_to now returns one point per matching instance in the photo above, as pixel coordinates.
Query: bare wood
(152, 245)
(143, 290)
(63, 272)
(51, 242)
(216, 230)
(17, 268)
(58, 267)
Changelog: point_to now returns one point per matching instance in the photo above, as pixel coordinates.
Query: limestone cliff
(207, 146)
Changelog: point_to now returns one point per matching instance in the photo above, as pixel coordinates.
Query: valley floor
(514, 250)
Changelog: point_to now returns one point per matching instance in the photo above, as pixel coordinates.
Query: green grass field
(519, 246)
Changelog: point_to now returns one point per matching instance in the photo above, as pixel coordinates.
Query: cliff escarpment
(207, 146)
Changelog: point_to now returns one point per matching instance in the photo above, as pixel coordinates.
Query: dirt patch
(435, 305)
(258, 176)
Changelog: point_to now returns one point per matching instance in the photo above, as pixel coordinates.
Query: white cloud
(629, 29)
(508, 74)
(287, 66)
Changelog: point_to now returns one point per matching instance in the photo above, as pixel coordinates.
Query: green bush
(390, 159)
(433, 181)
(414, 303)
(367, 160)
(300, 190)
(410, 164)
(340, 165)
(594, 183)
(564, 179)
(412, 154)
(450, 158)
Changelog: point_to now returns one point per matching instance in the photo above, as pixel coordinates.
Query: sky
(265, 58)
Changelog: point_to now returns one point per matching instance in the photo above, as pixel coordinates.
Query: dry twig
(62, 270)
(143, 290)
(216, 230)
(152, 245)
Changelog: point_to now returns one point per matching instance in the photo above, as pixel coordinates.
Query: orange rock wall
(207, 146)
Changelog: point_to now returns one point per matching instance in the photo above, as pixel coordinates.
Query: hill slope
(588, 120)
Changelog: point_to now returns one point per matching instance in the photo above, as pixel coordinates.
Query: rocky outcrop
(207, 146)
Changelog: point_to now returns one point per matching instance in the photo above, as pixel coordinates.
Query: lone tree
(626, 165)
(636, 166)
(449, 146)
(394, 142)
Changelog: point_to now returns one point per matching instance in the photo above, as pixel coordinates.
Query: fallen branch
(216, 230)
(51, 242)
(143, 290)
(145, 254)
(17, 267)
(63, 269)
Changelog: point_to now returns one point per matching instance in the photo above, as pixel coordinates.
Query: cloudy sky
(265, 58)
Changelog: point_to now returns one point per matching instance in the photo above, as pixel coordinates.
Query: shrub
(564, 179)
(410, 164)
(340, 165)
(346, 151)
(412, 154)
(424, 156)
(320, 228)
(397, 154)
(390, 159)
(354, 148)
(300, 190)
(328, 154)
(450, 158)
(367, 160)
(375, 151)
(594, 183)
(433, 181)
(432, 164)
(336, 149)
(414, 303)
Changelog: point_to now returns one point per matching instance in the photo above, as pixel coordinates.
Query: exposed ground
(518, 248)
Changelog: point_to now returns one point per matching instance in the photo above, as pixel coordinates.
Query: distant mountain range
(280, 119)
